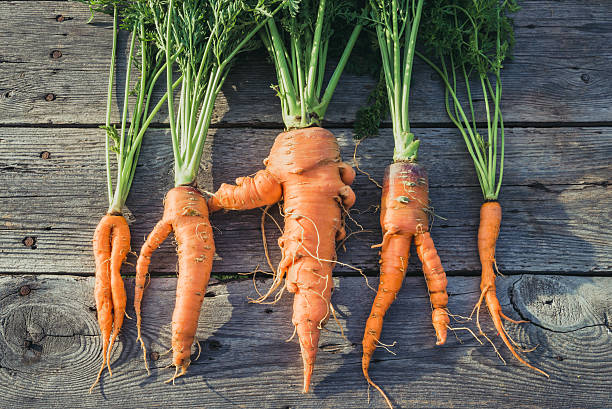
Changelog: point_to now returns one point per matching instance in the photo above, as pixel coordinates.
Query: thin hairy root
(356, 162)
(97, 377)
(458, 318)
(386, 346)
(333, 311)
(379, 389)
(263, 235)
(199, 348)
(454, 329)
(144, 350)
(511, 320)
(176, 374)
(292, 335)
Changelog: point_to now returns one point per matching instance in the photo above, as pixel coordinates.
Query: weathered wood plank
(50, 349)
(556, 199)
(559, 73)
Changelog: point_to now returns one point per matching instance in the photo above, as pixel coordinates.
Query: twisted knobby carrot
(304, 167)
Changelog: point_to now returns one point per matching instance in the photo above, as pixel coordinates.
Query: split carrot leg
(436, 284)
(161, 230)
(488, 231)
(393, 263)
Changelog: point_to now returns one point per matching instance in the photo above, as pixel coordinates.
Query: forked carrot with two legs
(203, 37)
(111, 242)
(476, 58)
(405, 206)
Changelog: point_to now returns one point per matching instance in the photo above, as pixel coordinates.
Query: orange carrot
(304, 167)
(405, 199)
(111, 245)
(186, 214)
(488, 231)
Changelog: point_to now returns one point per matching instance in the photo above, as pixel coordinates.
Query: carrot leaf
(466, 43)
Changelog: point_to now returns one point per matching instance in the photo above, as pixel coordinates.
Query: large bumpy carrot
(488, 231)
(186, 214)
(404, 205)
(111, 245)
(304, 167)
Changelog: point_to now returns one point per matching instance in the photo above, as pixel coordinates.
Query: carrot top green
(466, 42)
(299, 41)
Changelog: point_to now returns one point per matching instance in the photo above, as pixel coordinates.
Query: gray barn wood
(50, 348)
(555, 198)
(559, 73)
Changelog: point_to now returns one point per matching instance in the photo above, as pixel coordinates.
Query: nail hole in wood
(29, 241)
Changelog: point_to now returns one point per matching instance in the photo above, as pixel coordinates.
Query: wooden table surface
(554, 248)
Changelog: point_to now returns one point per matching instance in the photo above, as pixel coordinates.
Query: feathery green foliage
(369, 117)
(466, 42)
(125, 141)
(397, 23)
(300, 40)
(203, 37)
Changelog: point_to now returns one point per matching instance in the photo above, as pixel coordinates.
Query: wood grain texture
(559, 73)
(556, 197)
(50, 349)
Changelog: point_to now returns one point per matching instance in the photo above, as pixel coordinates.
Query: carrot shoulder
(304, 168)
(186, 214)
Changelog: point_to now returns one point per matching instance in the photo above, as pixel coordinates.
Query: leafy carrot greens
(466, 43)
(299, 41)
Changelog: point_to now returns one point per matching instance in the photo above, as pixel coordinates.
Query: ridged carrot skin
(185, 214)
(111, 245)
(404, 205)
(304, 167)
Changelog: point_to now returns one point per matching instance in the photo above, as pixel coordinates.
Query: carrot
(111, 243)
(315, 187)
(405, 199)
(203, 37)
(185, 214)
(404, 214)
(488, 231)
(304, 165)
(474, 59)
